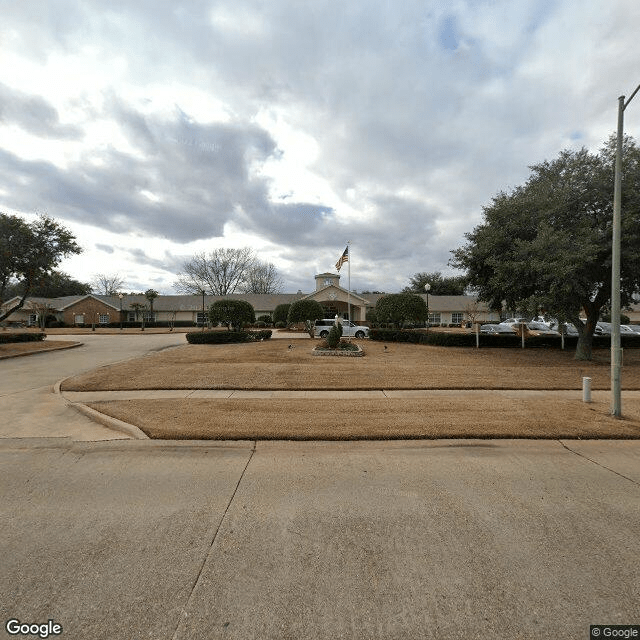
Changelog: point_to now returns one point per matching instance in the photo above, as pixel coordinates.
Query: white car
(349, 329)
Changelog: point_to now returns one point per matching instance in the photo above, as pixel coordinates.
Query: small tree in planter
(235, 314)
(306, 311)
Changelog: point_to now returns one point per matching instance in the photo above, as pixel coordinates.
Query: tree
(29, 251)
(262, 277)
(401, 308)
(547, 243)
(55, 284)
(440, 285)
(137, 308)
(280, 313)
(219, 273)
(151, 295)
(107, 284)
(306, 311)
(232, 313)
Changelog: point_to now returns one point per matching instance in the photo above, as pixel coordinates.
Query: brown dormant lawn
(272, 365)
(13, 349)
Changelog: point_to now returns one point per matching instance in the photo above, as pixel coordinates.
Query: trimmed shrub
(265, 334)
(441, 339)
(401, 308)
(218, 337)
(334, 337)
(305, 311)
(6, 338)
(280, 324)
(266, 318)
(260, 324)
(235, 314)
(280, 314)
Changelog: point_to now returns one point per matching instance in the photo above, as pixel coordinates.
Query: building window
(456, 317)
(132, 316)
(201, 318)
(103, 318)
(148, 316)
(33, 319)
(434, 318)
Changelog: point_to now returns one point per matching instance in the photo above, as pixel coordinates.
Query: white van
(322, 328)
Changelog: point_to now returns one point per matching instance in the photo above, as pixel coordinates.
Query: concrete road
(417, 539)
(29, 408)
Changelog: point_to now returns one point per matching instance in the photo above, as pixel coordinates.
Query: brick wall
(90, 308)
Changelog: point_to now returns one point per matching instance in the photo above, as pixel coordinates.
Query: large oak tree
(547, 243)
(30, 251)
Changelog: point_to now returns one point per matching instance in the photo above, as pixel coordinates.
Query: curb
(105, 420)
(35, 353)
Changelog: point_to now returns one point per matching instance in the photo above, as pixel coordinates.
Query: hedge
(21, 337)
(227, 337)
(438, 338)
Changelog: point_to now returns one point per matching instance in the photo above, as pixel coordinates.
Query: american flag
(343, 258)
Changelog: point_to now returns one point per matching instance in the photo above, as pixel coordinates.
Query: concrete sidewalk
(377, 540)
(156, 394)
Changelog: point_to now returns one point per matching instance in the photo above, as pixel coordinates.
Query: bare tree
(106, 284)
(263, 277)
(218, 273)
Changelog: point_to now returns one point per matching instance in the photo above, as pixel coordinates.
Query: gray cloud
(420, 111)
(33, 114)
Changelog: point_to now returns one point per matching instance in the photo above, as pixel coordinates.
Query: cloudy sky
(157, 129)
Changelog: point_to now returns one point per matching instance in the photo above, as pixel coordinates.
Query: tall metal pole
(203, 309)
(616, 395)
(427, 288)
(616, 353)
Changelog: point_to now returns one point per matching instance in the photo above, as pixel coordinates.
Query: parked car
(496, 328)
(542, 328)
(349, 329)
(606, 328)
(570, 330)
(511, 321)
(635, 328)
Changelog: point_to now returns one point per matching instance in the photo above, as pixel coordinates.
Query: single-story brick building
(336, 300)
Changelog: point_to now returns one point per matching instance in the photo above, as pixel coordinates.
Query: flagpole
(349, 281)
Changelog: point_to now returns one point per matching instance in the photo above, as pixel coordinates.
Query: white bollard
(586, 389)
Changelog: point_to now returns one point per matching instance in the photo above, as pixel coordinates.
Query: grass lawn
(272, 365)
(26, 348)
(454, 416)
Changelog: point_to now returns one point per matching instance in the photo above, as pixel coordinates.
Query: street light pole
(427, 288)
(616, 352)
(120, 295)
(203, 309)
